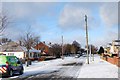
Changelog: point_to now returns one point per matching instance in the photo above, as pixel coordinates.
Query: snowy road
(70, 70)
(68, 67)
(67, 71)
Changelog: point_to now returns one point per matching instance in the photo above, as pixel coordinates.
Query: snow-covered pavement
(98, 69)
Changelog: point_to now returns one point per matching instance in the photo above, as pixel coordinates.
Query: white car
(77, 56)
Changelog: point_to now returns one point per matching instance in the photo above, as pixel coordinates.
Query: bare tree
(36, 41)
(67, 48)
(29, 40)
(75, 47)
(4, 21)
(4, 40)
(56, 50)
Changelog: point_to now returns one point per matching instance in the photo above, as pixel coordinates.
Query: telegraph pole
(27, 51)
(87, 39)
(62, 47)
(90, 52)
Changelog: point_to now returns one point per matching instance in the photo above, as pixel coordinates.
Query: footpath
(98, 69)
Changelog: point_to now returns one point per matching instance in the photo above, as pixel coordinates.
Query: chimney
(44, 42)
(20, 43)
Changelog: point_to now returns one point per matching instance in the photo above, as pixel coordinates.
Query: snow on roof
(34, 50)
(23, 48)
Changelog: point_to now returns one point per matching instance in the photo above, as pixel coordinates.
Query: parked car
(9, 65)
(77, 56)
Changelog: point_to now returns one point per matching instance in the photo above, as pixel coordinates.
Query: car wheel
(11, 73)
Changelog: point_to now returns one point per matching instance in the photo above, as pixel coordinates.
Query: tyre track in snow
(70, 71)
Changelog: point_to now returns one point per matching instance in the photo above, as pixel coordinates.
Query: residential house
(14, 49)
(114, 47)
(113, 53)
(34, 54)
(43, 47)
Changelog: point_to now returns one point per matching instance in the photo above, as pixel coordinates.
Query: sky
(51, 20)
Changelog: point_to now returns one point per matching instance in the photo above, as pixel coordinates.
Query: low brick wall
(113, 60)
(118, 61)
(41, 59)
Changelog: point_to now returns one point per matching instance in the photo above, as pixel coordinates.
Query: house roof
(23, 48)
(116, 45)
(116, 40)
(41, 44)
(12, 47)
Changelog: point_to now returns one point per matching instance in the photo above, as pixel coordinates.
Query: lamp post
(87, 39)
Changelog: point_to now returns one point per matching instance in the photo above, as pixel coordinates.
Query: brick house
(43, 47)
(114, 49)
(113, 53)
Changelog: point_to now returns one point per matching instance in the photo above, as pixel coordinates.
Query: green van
(9, 65)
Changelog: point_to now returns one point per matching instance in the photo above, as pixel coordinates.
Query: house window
(30, 54)
(35, 55)
(10, 54)
(38, 55)
(24, 55)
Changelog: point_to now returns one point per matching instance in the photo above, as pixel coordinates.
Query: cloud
(29, 11)
(13, 33)
(16, 31)
(60, 0)
(27, 14)
(108, 37)
(42, 17)
(72, 17)
(67, 40)
(109, 13)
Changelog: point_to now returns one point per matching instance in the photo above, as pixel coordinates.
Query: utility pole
(87, 39)
(62, 47)
(90, 52)
(93, 57)
(27, 51)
